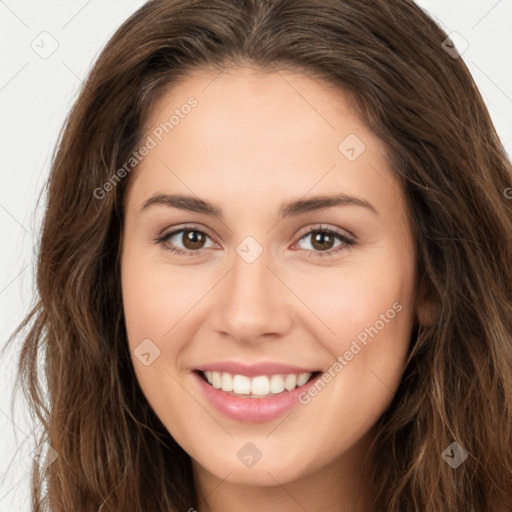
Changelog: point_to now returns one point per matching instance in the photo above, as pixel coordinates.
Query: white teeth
(227, 382)
(276, 384)
(290, 382)
(216, 380)
(302, 379)
(241, 384)
(259, 386)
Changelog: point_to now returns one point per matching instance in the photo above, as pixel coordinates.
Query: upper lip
(253, 370)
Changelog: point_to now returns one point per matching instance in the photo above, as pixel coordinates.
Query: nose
(252, 302)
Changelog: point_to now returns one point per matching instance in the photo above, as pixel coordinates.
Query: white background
(35, 96)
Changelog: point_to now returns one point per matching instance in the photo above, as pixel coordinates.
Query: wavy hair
(387, 57)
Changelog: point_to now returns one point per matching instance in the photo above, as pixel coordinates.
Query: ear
(427, 309)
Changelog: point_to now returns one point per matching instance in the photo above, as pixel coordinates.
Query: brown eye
(193, 239)
(186, 241)
(322, 240)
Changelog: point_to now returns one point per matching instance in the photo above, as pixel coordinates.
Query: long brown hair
(387, 56)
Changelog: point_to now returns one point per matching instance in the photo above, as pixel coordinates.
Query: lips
(250, 409)
(253, 393)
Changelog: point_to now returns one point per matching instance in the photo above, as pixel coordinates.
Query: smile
(256, 398)
(261, 386)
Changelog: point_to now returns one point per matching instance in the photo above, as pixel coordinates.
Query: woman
(198, 355)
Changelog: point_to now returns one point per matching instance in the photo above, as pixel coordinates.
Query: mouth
(260, 386)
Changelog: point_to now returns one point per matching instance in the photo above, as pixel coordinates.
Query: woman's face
(260, 288)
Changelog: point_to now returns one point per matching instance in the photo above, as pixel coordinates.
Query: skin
(253, 142)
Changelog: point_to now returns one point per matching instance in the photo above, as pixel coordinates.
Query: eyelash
(347, 241)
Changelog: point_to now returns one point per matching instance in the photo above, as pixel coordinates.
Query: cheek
(155, 297)
(152, 307)
(366, 313)
(148, 301)
(370, 317)
(160, 305)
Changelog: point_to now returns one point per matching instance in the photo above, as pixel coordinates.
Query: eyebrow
(291, 209)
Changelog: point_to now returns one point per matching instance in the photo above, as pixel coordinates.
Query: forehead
(267, 134)
(273, 103)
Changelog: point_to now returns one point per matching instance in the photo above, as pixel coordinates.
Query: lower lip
(252, 410)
